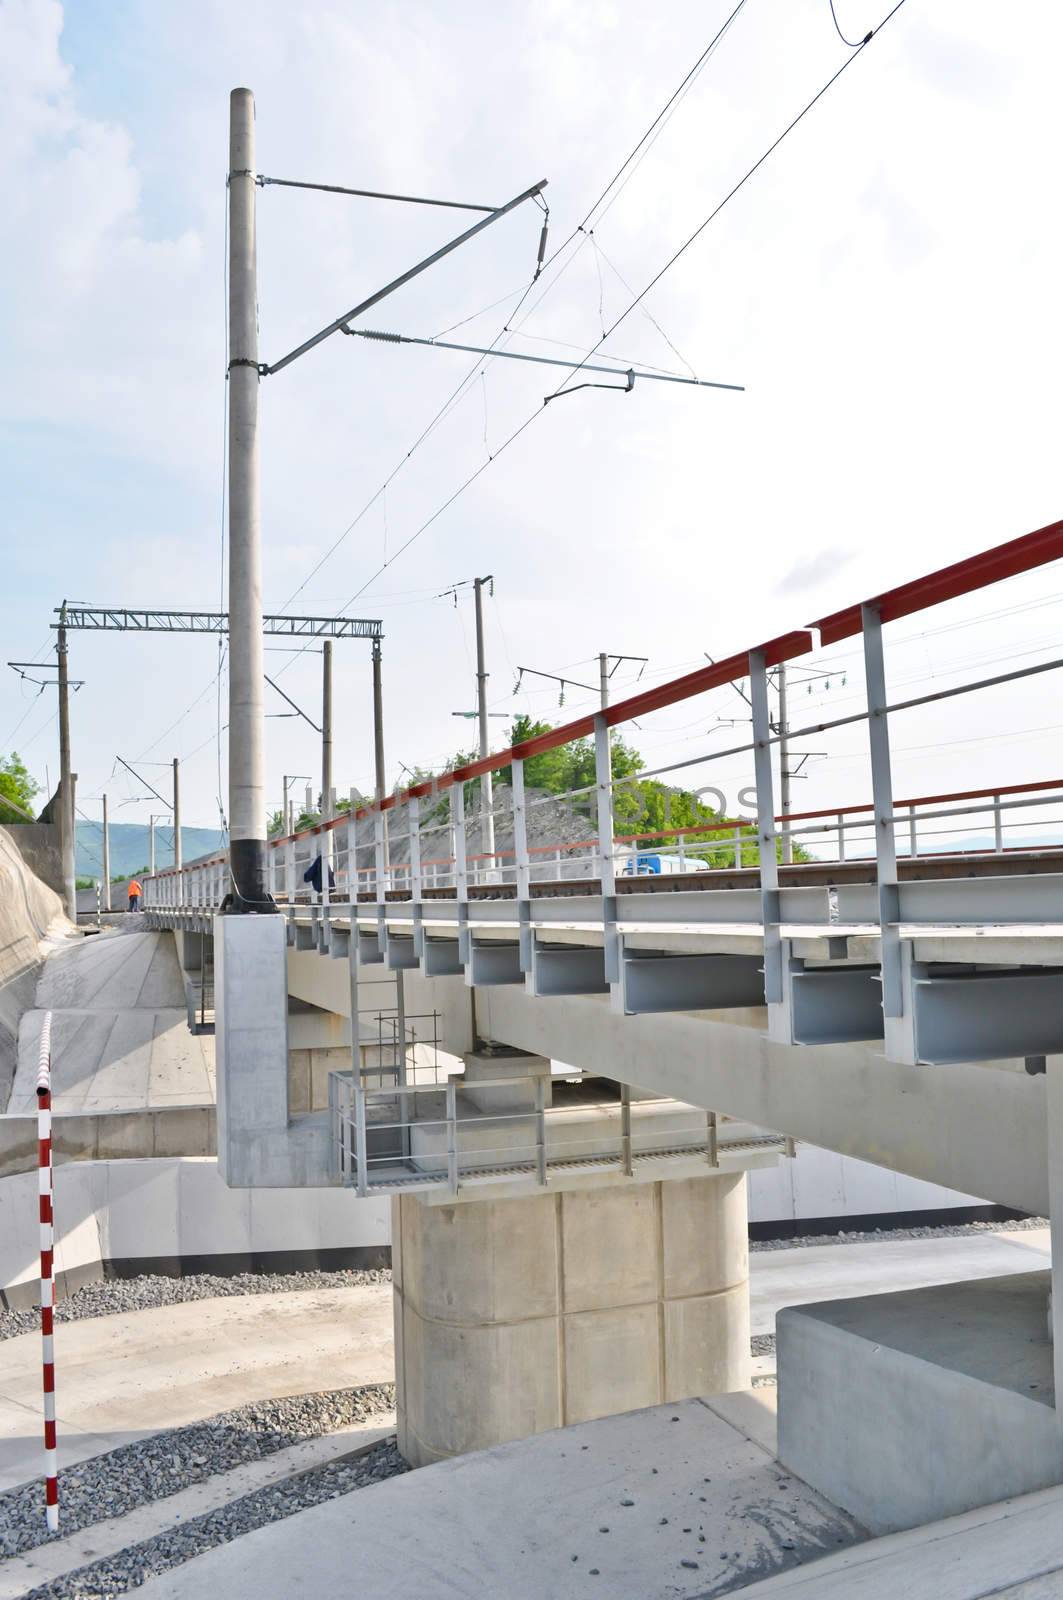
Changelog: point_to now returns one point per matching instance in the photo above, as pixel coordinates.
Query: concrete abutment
(515, 1316)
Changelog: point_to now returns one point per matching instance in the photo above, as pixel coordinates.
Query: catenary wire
(635, 302)
(481, 361)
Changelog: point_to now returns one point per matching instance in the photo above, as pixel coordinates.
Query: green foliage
(16, 784)
(570, 766)
(84, 883)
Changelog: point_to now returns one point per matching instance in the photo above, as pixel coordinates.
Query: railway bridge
(561, 1070)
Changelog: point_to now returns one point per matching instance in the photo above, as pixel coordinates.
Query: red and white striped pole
(47, 1219)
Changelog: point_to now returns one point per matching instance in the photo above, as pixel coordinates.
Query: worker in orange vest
(135, 892)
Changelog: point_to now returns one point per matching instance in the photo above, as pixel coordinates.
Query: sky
(885, 287)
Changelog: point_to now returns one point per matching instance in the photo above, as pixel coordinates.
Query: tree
(568, 766)
(17, 785)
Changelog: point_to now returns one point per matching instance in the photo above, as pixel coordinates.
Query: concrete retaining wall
(177, 1216)
(28, 911)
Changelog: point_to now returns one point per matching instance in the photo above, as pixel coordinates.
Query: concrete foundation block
(251, 1010)
(706, 1343)
(612, 1361)
(299, 1080)
(517, 1315)
(705, 1235)
(907, 1408)
(610, 1239)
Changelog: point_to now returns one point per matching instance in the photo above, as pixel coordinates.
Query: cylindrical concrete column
(247, 762)
(514, 1316)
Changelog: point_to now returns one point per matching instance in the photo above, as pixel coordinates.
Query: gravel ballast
(117, 1295)
(149, 1469)
(128, 1570)
(884, 1235)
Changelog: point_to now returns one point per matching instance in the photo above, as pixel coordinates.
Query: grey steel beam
(650, 982)
(491, 963)
(442, 958)
(566, 969)
(835, 1005)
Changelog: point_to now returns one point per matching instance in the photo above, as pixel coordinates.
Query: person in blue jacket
(312, 875)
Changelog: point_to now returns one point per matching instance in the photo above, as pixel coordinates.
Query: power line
(453, 397)
(677, 254)
(743, 180)
(854, 44)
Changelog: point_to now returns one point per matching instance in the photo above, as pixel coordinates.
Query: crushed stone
(116, 1295)
(117, 1574)
(117, 1482)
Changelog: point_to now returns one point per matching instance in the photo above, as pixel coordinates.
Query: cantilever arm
(397, 283)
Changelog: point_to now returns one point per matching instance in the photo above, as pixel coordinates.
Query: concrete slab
(120, 1040)
(670, 1502)
(115, 1060)
(119, 1378)
(906, 1408)
(1010, 1551)
(794, 1277)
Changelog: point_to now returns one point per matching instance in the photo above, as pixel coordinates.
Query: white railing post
(379, 882)
(738, 847)
(413, 810)
(603, 793)
(625, 1130)
(362, 1174)
(452, 1135)
(769, 863)
(841, 836)
(998, 827)
(882, 796)
(523, 866)
(913, 842)
(461, 867)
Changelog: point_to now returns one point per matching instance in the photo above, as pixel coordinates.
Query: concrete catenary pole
(603, 678)
(66, 781)
(784, 764)
(177, 856)
(151, 845)
(247, 774)
(487, 799)
(106, 858)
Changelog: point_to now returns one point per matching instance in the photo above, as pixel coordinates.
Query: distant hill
(129, 847)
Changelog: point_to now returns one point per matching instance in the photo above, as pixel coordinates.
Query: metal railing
(431, 826)
(435, 1136)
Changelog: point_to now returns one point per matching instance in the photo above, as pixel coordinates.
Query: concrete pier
(515, 1316)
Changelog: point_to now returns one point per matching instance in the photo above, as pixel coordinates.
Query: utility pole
(487, 799)
(288, 806)
(326, 731)
(608, 661)
(156, 816)
(177, 857)
(106, 858)
(784, 765)
(66, 781)
(247, 774)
